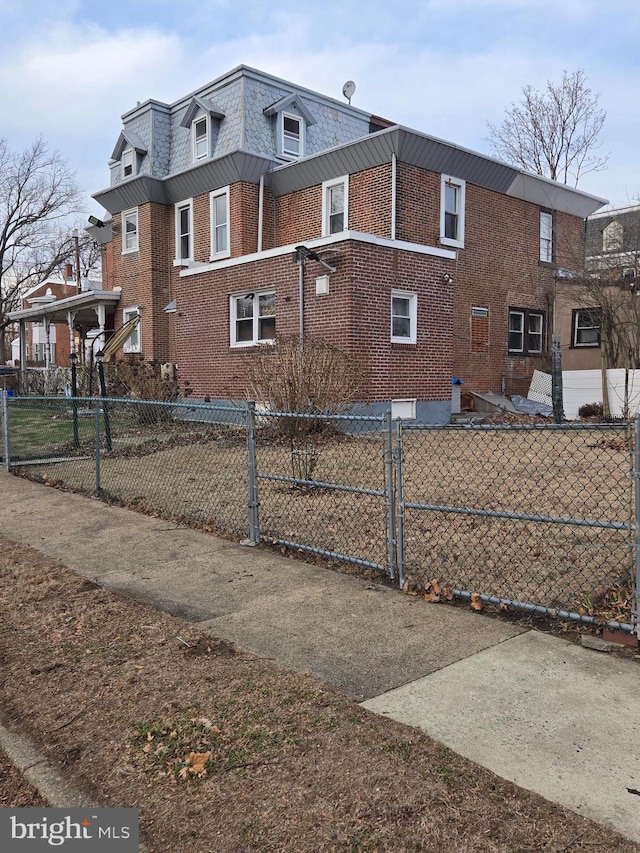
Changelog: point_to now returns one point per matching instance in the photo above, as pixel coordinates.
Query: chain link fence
(538, 516)
(541, 518)
(324, 485)
(185, 461)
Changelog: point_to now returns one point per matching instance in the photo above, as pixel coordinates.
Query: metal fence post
(252, 477)
(98, 491)
(400, 500)
(636, 524)
(391, 497)
(5, 431)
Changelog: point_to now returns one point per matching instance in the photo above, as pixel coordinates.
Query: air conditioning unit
(629, 274)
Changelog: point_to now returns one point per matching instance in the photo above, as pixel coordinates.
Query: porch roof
(82, 305)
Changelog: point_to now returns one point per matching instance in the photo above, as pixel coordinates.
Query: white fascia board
(343, 236)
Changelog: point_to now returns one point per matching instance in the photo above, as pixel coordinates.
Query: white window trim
(413, 317)
(202, 115)
(525, 313)
(188, 203)
(127, 346)
(225, 253)
(127, 250)
(575, 328)
(326, 186)
(546, 256)
(233, 343)
(128, 154)
(458, 243)
(289, 155)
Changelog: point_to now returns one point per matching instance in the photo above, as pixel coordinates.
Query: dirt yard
(224, 753)
(557, 476)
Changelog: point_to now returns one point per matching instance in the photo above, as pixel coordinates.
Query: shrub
(590, 410)
(311, 377)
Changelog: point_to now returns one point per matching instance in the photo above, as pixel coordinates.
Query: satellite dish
(348, 89)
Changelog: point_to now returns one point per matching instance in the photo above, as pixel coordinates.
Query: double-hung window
(184, 231)
(253, 318)
(586, 327)
(452, 203)
(200, 136)
(128, 162)
(291, 136)
(130, 231)
(132, 344)
(403, 317)
(546, 236)
(335, 206)
(220, 246)
(526, 331)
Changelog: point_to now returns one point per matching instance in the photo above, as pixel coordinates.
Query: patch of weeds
(361, 843)
(443, 766)
(179, 746)
(403, 748)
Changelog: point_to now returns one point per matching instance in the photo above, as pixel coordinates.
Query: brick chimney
(68, 272)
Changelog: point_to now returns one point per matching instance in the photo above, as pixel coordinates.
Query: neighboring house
(56, 319)
(254, 206)
(607, 286)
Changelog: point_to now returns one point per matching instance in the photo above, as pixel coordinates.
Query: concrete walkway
(556, 718)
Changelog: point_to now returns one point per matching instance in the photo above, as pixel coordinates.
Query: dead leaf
(198, 760)
(476, 602)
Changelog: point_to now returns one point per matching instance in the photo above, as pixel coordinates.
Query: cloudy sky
(69, 69)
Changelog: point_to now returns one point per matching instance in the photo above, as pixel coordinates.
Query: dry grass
(109, 692)
(567, 475)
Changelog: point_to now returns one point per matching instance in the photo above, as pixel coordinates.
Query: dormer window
(292, 129)
(128, 162)
(198, 118)
(612, 237)
(130, 151)
(291, 119)
(200, 133)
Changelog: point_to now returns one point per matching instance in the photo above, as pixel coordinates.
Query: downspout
(394, 178)
(301, 297)
(260, 211)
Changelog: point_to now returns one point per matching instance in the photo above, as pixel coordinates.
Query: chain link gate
(540, 518)
(323, 484)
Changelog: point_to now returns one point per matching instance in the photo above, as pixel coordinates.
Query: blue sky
(445, 67)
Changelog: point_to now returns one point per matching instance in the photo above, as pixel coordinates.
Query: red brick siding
(355, 315)
(145, 278)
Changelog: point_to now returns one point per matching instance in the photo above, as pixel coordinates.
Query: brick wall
(145, 278)
(355, 315)
(498, 268)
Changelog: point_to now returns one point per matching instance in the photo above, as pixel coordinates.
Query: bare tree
(37, 194)
(554, 132)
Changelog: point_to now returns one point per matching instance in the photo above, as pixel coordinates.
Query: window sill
(221, 256)
(130, 251)
(403, 343)
(454, 244)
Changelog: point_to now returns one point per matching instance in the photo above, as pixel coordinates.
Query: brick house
(54, 314)
(254, 206)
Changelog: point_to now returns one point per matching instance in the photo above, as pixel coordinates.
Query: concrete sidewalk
(550, 716)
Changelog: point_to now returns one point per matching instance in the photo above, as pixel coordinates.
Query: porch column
(47, 347)
(23, 356)
(71, 319)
